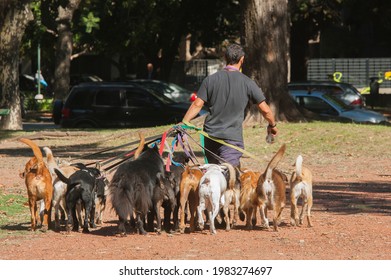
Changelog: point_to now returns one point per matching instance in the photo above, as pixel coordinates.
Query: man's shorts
(219, 153)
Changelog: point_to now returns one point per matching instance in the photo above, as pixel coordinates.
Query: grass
(12, 212)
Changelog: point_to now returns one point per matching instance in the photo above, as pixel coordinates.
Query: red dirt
(351, 217)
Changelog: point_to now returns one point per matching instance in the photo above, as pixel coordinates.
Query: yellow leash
(200, 131)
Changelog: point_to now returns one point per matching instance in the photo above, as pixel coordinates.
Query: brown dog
(188, 189)
(301, 186)
(248, 181)
(270, 191)
(39, 185)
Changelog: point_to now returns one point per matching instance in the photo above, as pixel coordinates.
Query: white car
(326, 104)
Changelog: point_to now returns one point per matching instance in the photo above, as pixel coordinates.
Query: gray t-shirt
(226, 95)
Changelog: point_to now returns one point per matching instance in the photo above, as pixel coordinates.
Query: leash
(203, 133)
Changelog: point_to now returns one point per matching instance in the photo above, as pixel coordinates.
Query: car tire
(57, 107)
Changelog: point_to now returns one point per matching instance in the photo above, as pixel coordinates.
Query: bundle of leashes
(180, 134)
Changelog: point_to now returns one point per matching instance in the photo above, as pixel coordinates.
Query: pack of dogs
(141, 189)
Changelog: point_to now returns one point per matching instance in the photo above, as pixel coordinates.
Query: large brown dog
(271, 191)
(301, 186)
(39, 185)
(189, 187)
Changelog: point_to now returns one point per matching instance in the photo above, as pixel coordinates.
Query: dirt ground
(351, 217)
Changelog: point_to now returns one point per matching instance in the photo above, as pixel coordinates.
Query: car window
(108, 97)
(136, 97)
(317, 105)
(82, 98)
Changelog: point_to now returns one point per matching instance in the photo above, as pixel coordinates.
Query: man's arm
(193, 110)
(269, 116)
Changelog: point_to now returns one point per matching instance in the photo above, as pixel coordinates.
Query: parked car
(84, 78)
(326, 104)
(170, 90)
(114, 104)
(344, 91)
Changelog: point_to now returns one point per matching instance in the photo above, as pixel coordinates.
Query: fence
(356, 71)
(190, 74)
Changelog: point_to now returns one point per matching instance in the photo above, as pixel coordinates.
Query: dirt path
(351, 217)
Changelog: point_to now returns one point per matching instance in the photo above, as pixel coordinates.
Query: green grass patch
(13, 212)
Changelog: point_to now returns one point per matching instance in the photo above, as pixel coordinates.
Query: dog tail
(140, 147)
(299, 167)
(61, 176)
(231, 175)
(122, 195)
(276, 158)
(52, 164)
(37, 153)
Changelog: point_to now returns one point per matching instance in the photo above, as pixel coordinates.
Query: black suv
(113, 104)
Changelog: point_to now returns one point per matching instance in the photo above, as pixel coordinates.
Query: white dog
(301, 186)
(59, 187)
(212, 187)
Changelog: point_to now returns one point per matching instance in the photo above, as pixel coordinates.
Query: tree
(265, 37)
(64, 47)
(14, 17)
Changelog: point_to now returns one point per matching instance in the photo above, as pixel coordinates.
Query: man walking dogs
(226, 94)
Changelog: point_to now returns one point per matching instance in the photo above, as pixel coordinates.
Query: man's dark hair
(233, 54)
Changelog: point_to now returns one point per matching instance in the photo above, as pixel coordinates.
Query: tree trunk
(16, 14)
(64, 49)
(265, 37)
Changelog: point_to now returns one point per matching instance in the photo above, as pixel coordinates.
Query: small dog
(59, 187)
(212, 193)
(248, 180)
(301, 186)
(212, 187)
(39, 185)
(81, 186)
(189, 187)
(163, 196)
(270, 191)
(231, 195)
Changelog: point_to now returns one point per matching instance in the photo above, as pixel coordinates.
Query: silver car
(344, 91)
(326, 104)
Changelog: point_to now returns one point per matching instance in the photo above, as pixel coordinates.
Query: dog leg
(249, 212)
(263, 213)
(121, 226)
(309, 206)
(294, 210)
(193, 202)
(157, 207)
(47, 212)
(213, 212)
(140, 224)
(87, 199)
(277, 216)
(183, 198)
(200, 209)
(33, 212)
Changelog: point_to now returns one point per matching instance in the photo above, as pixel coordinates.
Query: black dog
(81, 187)
(163, 196)
(132, 187)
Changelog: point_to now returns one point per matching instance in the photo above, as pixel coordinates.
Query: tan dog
(188, 189)
(248, 181)
(271, 191)
(301, 186)
(39, 185)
